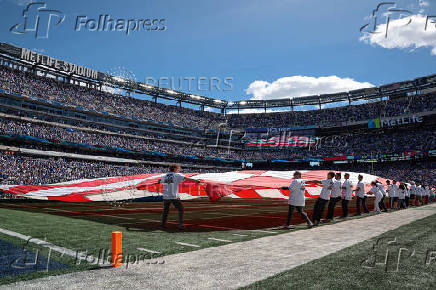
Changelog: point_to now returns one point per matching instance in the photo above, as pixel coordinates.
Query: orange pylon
(117, 249)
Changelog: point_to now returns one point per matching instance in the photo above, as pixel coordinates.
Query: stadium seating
(81, 137)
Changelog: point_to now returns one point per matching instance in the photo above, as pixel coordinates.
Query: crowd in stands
(422, 172)
(335, 116)
(29, 84)
(185, 136)
(359, 143)
(17, 169)
(9, 126)
(20, 169)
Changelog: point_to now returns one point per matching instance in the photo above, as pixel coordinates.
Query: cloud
(300, 86)
(402, 35)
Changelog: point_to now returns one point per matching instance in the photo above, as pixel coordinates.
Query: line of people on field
(335, 189)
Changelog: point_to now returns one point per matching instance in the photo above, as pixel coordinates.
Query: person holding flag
(324, 197)
(361, 197)
(335, 197)
(378, 196)
(412, 199)
(170, 193)
(296, 200)
(395, 194)
(383, 191)
(347, 194)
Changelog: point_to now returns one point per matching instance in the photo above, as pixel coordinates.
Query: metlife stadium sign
(392, 122)
(35, 58)
(57, 64)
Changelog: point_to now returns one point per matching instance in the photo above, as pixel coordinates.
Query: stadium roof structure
(10, 54)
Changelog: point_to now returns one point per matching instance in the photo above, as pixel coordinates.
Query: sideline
(237, 264)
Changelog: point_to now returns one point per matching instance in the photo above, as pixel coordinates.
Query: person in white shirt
(432, 194)
(412, 193)
(395, 192)
(402, 196)
(390, 192)
(418, 192)
(296, 200)
(383, 191)
(170, 193)
(335, 196)
(407, 193)
(324, 197)
(426, 194)
(361, 197)
(422, 188)
(347, 194)
(378, 195)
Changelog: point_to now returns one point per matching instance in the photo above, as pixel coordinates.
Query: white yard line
(264, 232)
(148, 251)
(45, 244)
(188, 245)
(219, 240)
(151, 220)
(240, 235)
(218, 227)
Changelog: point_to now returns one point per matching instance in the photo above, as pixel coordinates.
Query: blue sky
(246, 40)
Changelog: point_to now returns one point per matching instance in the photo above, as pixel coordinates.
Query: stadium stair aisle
(238, 264)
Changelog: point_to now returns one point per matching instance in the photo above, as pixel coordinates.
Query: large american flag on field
(235, 184)
(292, 141)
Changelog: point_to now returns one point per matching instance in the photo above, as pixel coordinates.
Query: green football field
(404, 258)
(85, 229)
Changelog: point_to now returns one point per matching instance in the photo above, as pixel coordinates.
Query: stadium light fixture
(243, 103)
(197, 97)
(171, 92)
(217, 101)
(120, 80)
(146, 86)
(230, 103)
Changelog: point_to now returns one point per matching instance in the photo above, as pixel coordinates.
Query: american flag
(235, 184)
